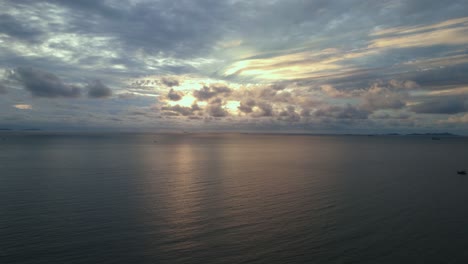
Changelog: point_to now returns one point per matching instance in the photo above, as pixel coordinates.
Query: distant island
(23, 129)
(443, 134)
(434, 135)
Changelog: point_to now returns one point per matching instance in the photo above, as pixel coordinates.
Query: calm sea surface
(232, 198)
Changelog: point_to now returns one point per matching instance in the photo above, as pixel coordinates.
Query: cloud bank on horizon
(317, 66)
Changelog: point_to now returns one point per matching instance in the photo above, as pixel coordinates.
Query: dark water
(232, 198)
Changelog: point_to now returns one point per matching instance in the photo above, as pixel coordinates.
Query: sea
(232, 198)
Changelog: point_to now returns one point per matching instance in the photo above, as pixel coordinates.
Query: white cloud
(23, 106)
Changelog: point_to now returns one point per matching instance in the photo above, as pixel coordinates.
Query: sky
(315, 66)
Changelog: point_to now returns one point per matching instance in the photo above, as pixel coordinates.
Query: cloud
(175, 95)
(305, 112)
(269, 62)
(23, 106)
(271, 93)
(216, 110)
(207, 93)
(291, 66)
(97, 89)
(437, 74)
(289, 115)
(138, 112)
(160, 29)
(442, 105)
(3, 89)
(43, 84)
(450, 32)
(278, 86)
(12, 27)
(382, 98)
(246, 106)
(342, 112)
(170, 82)
(331, 91)
(263, 109)
(386, 116)
(450, 91)
(463, 119)
(178, 110)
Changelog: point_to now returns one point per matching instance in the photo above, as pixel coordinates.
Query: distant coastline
(393, 134)
(444, 134)
(23, 129)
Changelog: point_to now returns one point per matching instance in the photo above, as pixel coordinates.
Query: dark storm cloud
(174, 95)
(43, 84)
(442, 105)
(207, 93)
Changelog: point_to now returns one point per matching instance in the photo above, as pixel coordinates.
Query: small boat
(435, 138)
(462, 172)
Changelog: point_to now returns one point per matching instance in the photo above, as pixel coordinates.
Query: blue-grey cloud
(44, 84)
(3, 89)
(206, 92)
(177, 110)
(97, 89)
(306, 63)
(175, 95)
(265, 109)
(289, 115)
(215, 108)
(170, 82)
(380, 98)
(442, 105)
(342, 112)
(246, 105)
(12, 27)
